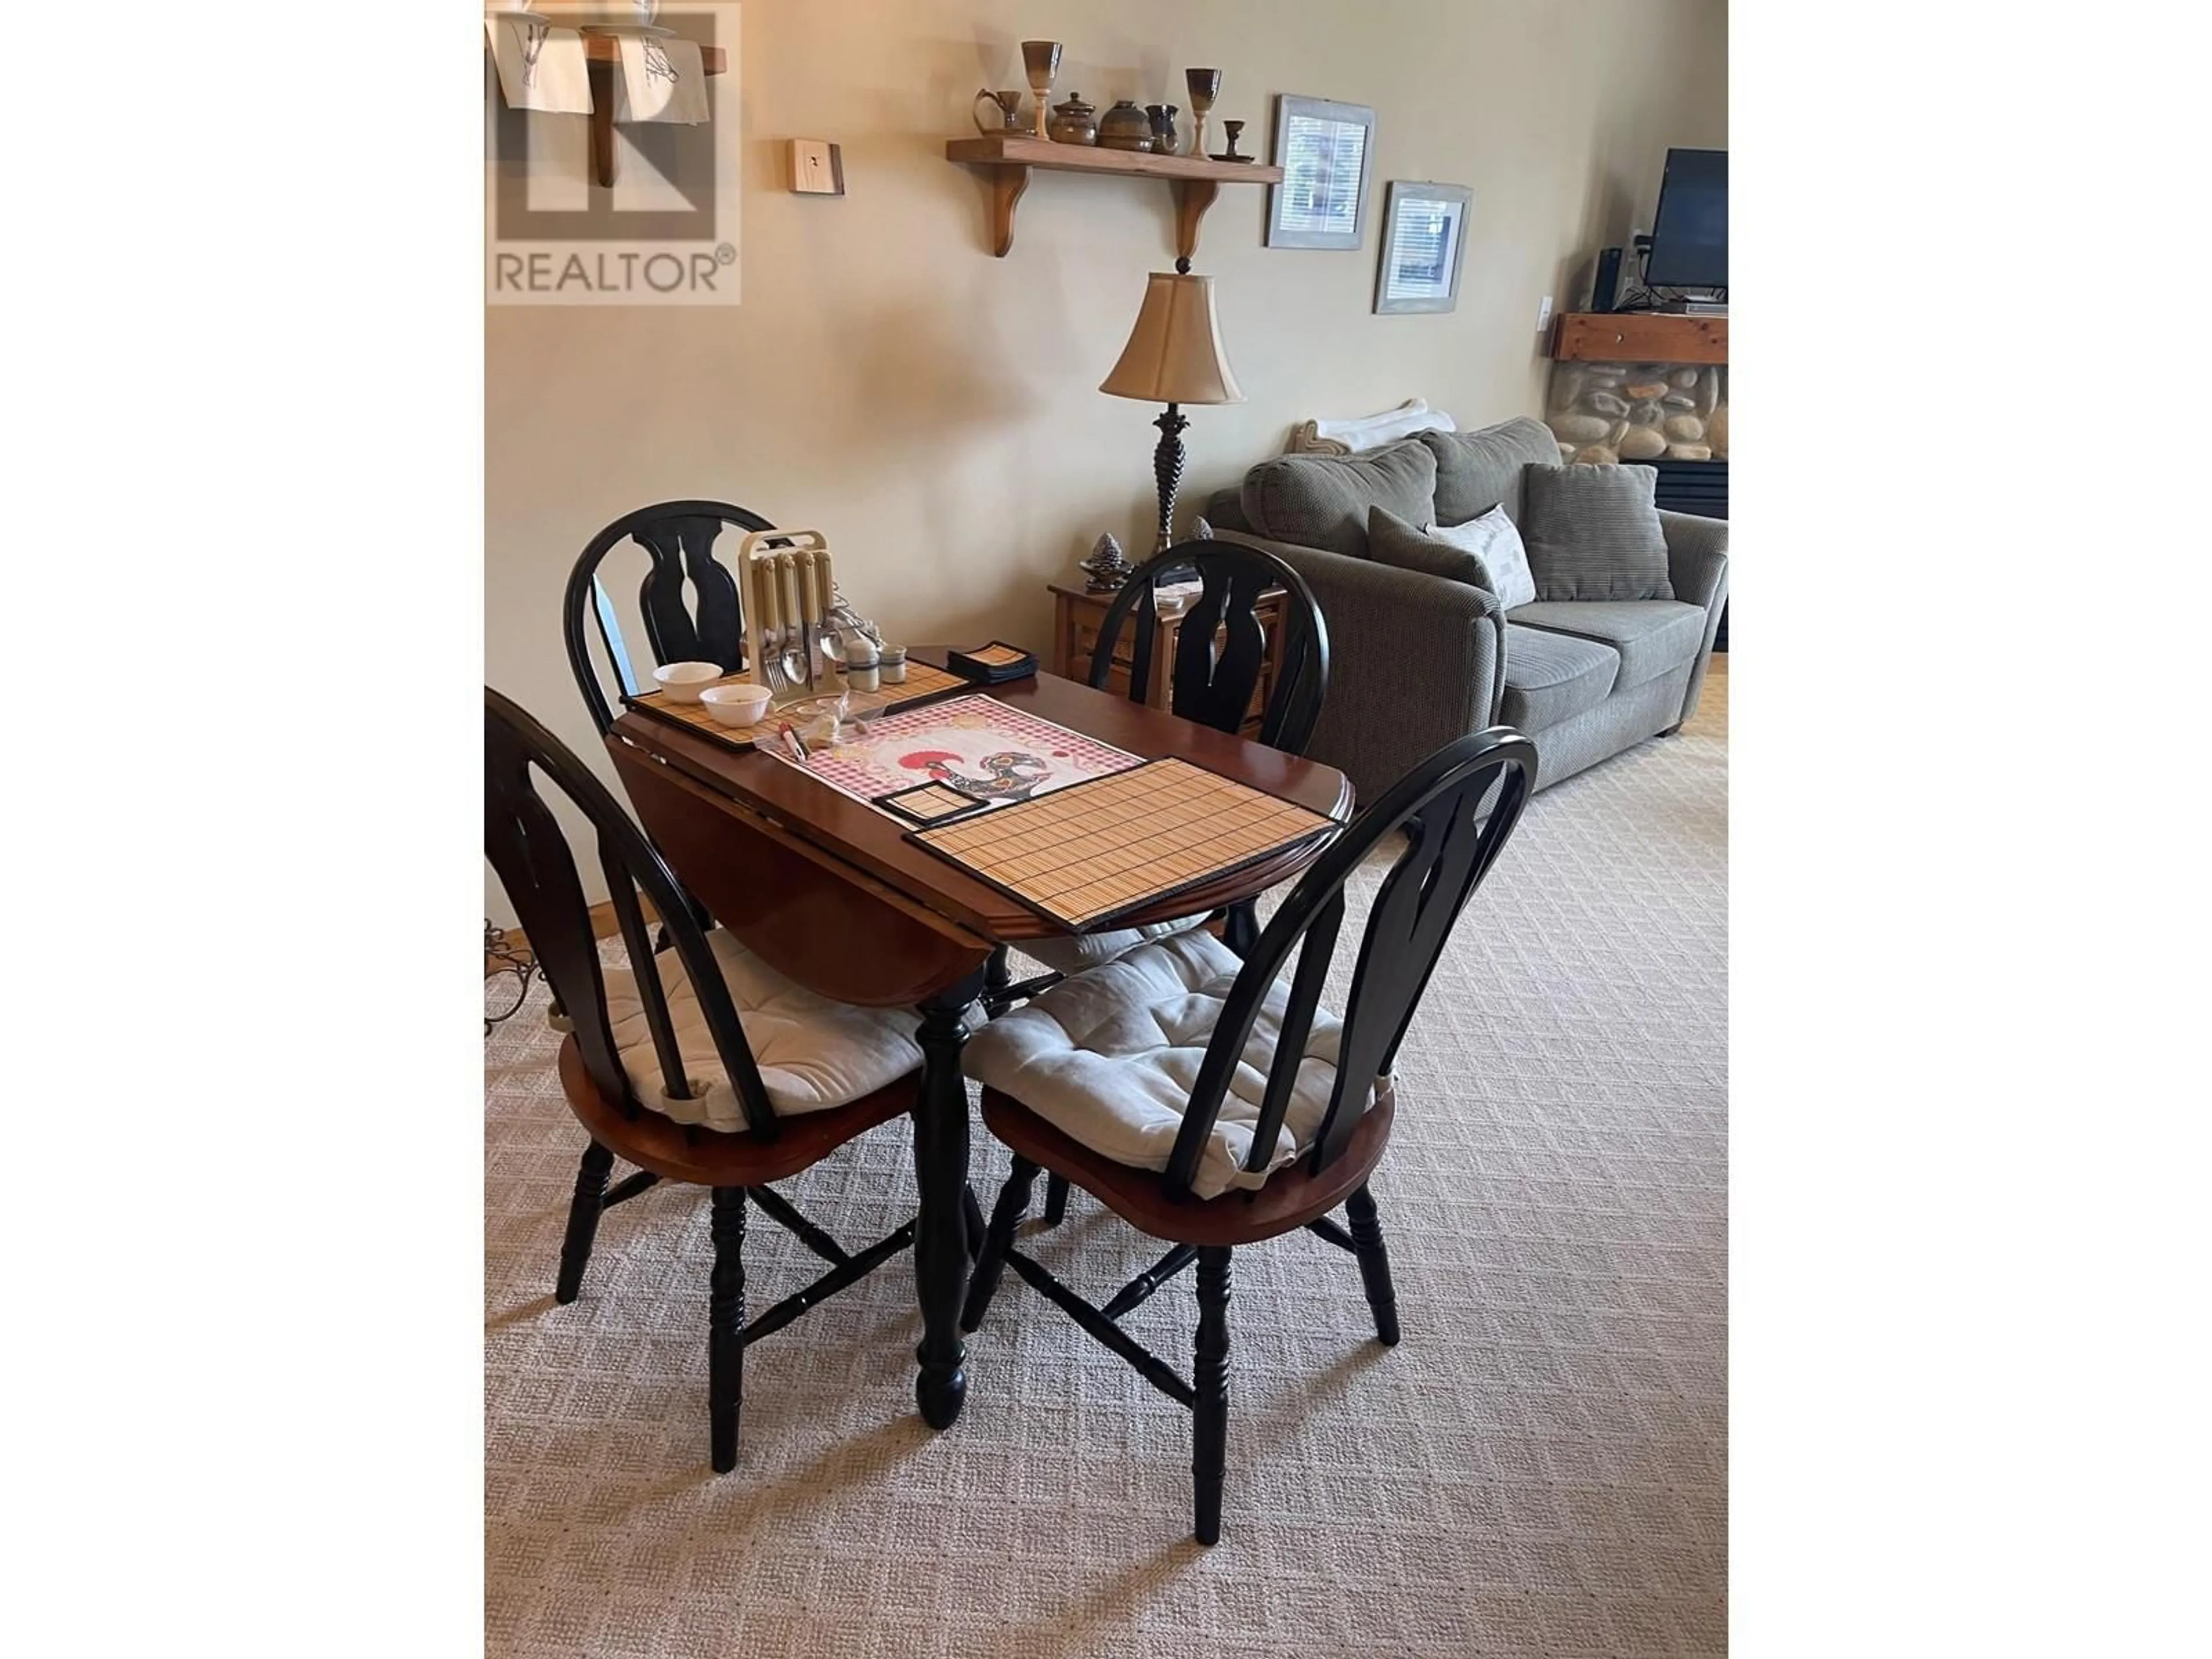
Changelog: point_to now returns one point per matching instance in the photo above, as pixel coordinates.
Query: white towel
(662, 79)
(540, 68)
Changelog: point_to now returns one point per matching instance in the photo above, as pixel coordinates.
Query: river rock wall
(1608, 412)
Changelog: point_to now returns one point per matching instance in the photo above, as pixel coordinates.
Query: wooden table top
(876, 844)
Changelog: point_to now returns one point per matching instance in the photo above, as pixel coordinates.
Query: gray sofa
(1418, 660)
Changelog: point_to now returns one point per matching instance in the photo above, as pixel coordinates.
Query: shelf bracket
(1007, 185)
(603, 121)
(1191, 199)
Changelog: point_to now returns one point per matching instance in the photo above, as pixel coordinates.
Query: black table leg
(940, 1167)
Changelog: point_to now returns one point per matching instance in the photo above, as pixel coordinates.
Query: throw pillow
(1392, 540)
(1496, 540)
(1594, 533)
(1480, 558)
(1322, 500)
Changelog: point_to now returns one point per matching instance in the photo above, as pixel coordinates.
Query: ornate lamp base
(1167, 471)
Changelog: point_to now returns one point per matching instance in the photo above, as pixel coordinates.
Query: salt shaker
(860, 663)
(893, 658)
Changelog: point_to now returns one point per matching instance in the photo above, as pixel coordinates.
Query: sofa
(1417, 659)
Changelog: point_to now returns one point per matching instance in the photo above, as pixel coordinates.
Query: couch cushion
(1550, 677)
(1322, 500)
(1653, 636)
(1477, 470)
(1594, 533)
(813, 1053)
(1110, 1058)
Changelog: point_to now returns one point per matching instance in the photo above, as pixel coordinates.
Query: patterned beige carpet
(1539, 1468)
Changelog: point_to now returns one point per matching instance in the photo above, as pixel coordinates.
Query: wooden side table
(1075, 618)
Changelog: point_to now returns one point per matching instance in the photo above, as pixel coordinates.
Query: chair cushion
(1653, 636)
(1072, 953)
(1594, 533)
(1550, 677)
(1479, 470)
(1109, 1057)
(1322, 500)
(813, 1053)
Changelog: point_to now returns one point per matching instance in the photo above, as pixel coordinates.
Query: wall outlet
(1544, 314)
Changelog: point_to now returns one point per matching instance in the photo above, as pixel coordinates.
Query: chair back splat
(708, 626)
(524, 844)
(1459, 808)
(1214, 686)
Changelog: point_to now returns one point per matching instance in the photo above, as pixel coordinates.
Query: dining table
(831, 892)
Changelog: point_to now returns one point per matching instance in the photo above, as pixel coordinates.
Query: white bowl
(684, 681)
(735, 705)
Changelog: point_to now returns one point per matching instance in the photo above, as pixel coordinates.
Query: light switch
(817, 167)
(1544, 314)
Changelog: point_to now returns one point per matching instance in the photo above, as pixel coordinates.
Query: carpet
(1540, 1467)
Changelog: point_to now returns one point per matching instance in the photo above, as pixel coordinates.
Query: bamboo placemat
(1082, 855)
(922, 682)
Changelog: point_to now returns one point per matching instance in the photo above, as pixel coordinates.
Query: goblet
(1205, 86)
(1042, 59)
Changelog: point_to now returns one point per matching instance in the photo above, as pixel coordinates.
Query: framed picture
(1325, 150)
(1424, 245)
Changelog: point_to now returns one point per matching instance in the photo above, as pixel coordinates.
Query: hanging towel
(540, 67)
(662, 79)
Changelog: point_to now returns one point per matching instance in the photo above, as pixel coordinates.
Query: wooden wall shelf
(1640, 336)
(1007, 159)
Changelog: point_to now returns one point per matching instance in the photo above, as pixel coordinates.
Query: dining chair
(705, 625)
(1288, 1109)
(1220, 653)
(697, 1063)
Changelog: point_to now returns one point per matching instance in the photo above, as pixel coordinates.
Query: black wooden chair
(1221, 654)
(680, 537)
(659, 1065)
(1246, 1162)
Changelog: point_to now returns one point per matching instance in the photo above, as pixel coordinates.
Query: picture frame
(1424, 246)
(1326, 152)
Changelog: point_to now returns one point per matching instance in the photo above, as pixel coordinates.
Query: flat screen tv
(1689, 237)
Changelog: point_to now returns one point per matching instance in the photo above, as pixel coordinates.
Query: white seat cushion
(1072, 953)
(813, 1053)
(1109, 1057)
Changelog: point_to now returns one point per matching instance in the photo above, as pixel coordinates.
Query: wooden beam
(1640, 336)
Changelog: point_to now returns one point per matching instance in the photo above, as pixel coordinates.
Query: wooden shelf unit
(1639, 337)
(1007, 159)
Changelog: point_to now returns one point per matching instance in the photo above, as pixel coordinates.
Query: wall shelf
(1007, 158)
(1640, 336)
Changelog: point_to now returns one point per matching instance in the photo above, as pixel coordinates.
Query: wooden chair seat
(706, 1158)
(1292, 1197)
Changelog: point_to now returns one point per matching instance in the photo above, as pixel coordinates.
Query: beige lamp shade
(1175, 355)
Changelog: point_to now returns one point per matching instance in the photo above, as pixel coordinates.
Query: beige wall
(933, 409)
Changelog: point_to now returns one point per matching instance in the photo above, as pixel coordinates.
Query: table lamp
(1174, 357)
